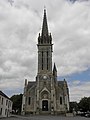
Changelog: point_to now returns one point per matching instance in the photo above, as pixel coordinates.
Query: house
(5, 105)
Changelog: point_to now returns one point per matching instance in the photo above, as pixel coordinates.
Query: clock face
(44, 77)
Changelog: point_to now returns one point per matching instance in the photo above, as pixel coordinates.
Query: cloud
(72, 42)
(78, 91)
(19, 28)
(73, 1)
(76, 82)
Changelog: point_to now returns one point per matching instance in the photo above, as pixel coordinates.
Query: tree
(84, 104)
(17, 103)
(73, 106)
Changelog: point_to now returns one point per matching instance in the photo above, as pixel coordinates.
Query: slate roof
(30, 84)
(61, 82)
(2, 94)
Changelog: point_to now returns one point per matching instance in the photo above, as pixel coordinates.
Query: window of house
(29, 100)
(5, 111)
(6, 102)
(61, 100)
(2, 101)
(1, 111)
(9, 104)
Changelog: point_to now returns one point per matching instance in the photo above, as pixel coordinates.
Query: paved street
(45, 118)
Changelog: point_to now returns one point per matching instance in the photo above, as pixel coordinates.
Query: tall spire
(54, 68)
(45, 37)
(45, 26)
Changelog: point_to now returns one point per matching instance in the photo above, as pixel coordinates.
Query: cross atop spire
(44, 26)
(44, 7)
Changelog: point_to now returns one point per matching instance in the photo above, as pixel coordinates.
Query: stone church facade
(46, 95)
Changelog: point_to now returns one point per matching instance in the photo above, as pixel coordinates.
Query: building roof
(2, 94)
(63, 83)
(30, 84)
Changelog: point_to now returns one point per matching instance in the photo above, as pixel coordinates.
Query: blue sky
(83, 76)
(20, 24)
(77, 82)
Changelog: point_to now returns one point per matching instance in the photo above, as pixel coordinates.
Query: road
(45, 118)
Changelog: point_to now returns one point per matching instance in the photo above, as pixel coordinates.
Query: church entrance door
(45, 105)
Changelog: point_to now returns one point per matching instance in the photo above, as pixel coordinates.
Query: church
(45, 95)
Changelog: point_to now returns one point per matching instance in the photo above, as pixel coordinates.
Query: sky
(69, 24)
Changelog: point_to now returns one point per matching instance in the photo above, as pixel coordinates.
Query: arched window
(29, 100)
(60, 100)
(47, 60)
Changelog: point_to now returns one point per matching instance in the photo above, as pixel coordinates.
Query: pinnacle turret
(54, 68)
(55, 72)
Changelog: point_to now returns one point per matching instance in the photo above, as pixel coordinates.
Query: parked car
(83, 114)
(87, 115)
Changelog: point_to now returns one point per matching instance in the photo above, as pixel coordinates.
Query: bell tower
(44, 48)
